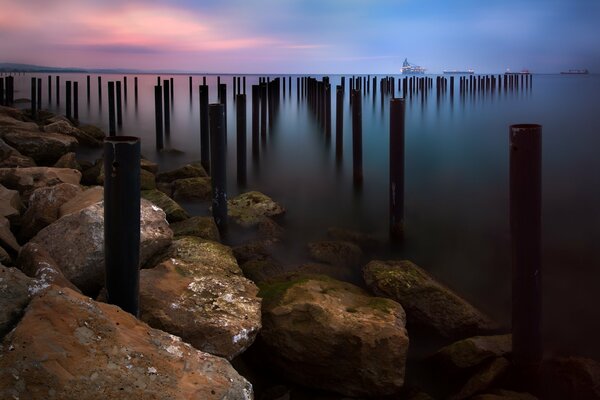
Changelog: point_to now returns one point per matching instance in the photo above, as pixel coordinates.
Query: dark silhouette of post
(49, 89)
(263, 111)
(190, 87)
(397, 168)
(2, 101)
(125, 88)
(112, 129)
(39, 94)
(122, 221)
(339, 122)
(218, 166)
(57, 89)
(357, 172)
(158, 117)
(255, 122)
(87, 81)
(241, 138)
(135, 89)
(172, 91)
(119, 106)
(244, 85)
(166, 107)
(100, 91)
(525, 229)
(68, 100)
(76, 101)
(33, 97)
(204, 129)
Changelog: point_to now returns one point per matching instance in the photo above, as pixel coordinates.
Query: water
(456, 182)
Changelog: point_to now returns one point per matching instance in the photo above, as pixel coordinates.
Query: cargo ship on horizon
(408, 68)
(458, 72)
(576, 72)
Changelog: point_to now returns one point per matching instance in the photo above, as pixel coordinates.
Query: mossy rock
(173, 210)
(202, 227)
(248, 209)
(262, 270)
(192, 189)
(93, 131)
(194, 170)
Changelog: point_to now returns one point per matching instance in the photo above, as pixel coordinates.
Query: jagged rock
(10, 203)
(483, 378)
(37, 263)
(472, 351)
(26, 180)
(262, 270)
(91, 175)
(332, 335)
(173, 210)
(149, 166)
(253, 250)
(44, 205)
(69, 160)
(202, 227)
(194, 170)
(14, 297)
(504, 395)
(80, 250)
(249, 208)
(11, 158)
(365, 241)
(94, 132)
(427, 302)
(269, 229)
(82, 200)
(70, 347)
(7, 239)
(343, 254)
(570, 378)
(192, 189)
(10, 122)
(5, 258)
(45, 148)
(66, 128)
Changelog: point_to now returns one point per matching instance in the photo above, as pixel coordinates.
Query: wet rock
(173, 210)
(504, 395)
(44, 205)
(93, 131)
(26, 180)
(14, 297)
(472, 351)
(91, 175)
(69, 160)
(366, 242)
(202, 227)
(192, 189)
(12, 123)
(427, 302)
(333, 271)
(7, 239)
(45, 148)
(343, 254)
(483, 378)
(11, 158)
(82, 200)
(269, 229)
(80, 250)
(332, 335)
(10, 204)
(249, 208)
(149, 166)
(194, 170)
(147, 180)
(35, 262)
(70, 347)
(262, 270)
(570, 378)
(253, 250)
(66, 128)
(5, 258)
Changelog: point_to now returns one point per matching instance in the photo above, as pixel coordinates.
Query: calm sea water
(456, 181)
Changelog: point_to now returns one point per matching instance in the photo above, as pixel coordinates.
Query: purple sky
(310, 36)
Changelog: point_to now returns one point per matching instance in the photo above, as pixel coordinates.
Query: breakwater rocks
(339, 323)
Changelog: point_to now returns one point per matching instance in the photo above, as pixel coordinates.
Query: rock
(202, 227)
(44, 205)
(91, 175)
(473, 351)
(10, 122)
(192, 189)
(26, 180)
(5, 258)
(65, 128)
(262, 270)
(82, 200)
(248, 208)
(10, 204)
(269, 229)
(94, 132)
(14, 297)
(194, 170)
(149, 166)
(147, 179)
(365, 241)
(253, 250)
(7, 239)
(35, 262)
(45, 148)
(216, 313)
(70, 347)
(69, 160)
(333, 271)
(483, 378)
(570, 378)
(504, 395)
(57, 118)
(343, 254)
(332, 335)
(427, 302)
(173, 210)
(80, 250)
(11, 158)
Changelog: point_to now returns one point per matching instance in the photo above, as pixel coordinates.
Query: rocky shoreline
(222, 321)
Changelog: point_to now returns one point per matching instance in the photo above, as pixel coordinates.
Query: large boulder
(202, 227)
(473, 351)
(570, 378)
(14, 297)
(194, 170)
(332, 335)
(483, 378)
(339, 253)
(93, 131)
(70, 347)
(38, 264)
(14, 123)
(10, 203)
(45, 148)
(7, 239)
(427, 302)
(365, 241)
(192, 189)
(68, 160)
(11, 158)
(65, 128)
(173, 210)
(26, 180)
(80, 250)
(82, 200)
(249, 208)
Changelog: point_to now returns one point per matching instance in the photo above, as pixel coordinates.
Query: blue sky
(289, 36)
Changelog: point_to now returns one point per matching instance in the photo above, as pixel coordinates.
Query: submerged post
(57, 89)
(218, 166)
(112, 130)
(241, 138)
(119, 105)
(397, 167)
(158, 116)
(87, 81)
(525, 229)
(255, 107)
(100, 91)
(122, 221)
(166, 108)
(76, 101)
(339, 122)
(357, 172)
(204, 133)
(33, 97)
(49, 89)
(39, 94)
(68, 99)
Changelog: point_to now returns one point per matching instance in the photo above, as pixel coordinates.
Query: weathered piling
(166, 108)
(10, 90)
(100, 91)
(172, 91)
(76, 101)
(263, 111)
(255, 121)
(57, 89)
(339, 122)
(158, 80)
(112, 129)
(328, 110)
(2, 101)
(244, 85)
(34, 98)
(204, 132)
(49, 89)
(397, 107)
(135, 89)
(68, 105)
(87, 82)
(357, 172)
(241, 138)
(158, 117)
(122, 221)
(190, 79)
(218, 166)
(125, 89)
(119, 105)
(525, 228)
(223, 100)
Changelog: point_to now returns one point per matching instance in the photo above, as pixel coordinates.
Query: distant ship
(408, 68)
(575, 72)
(459, 72)
(522, 72)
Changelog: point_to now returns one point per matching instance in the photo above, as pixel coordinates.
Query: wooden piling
(241, 138)
(158, 117)
(68, 100)
(339, 122)
(49, 89)
(357, 172)
(112, 130)
(87, 81)
(76, 101)
(255, 119)
(57, 89)
(396, 199)
(166, 106)
(204, 128)
(119, 106)
(33, 98)
(218, 167)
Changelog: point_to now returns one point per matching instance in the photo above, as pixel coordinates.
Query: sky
(309, 36)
